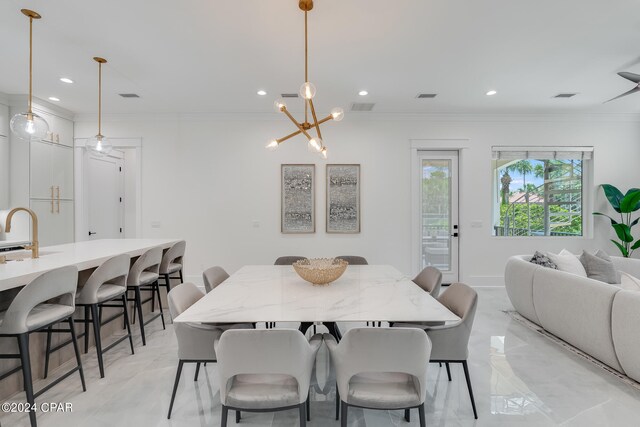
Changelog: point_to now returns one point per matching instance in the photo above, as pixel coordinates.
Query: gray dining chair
(288, 260)
(430, 280)
(354, 259)
(172, 262)
(264, 370)
(451, 341)
(46, 300)
(213, 276)
(381, 368)
(143, 276)
(195, 340)
(106, 286)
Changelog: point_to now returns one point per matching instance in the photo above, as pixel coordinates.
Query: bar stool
(172, 263)
(31, 311)
(106, 285)
(143, 276)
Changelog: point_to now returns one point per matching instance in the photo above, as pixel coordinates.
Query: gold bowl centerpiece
(320, 271)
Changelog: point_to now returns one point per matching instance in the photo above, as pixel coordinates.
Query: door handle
(91, 233)
(51, 188)
(454, 234)
(58, 194)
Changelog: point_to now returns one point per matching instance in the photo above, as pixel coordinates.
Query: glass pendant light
(29, 126)
(99, 144)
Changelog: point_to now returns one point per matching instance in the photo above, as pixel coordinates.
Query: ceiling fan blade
(634, 90)
(630, 76)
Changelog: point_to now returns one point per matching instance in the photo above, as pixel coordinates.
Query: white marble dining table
(269, 293)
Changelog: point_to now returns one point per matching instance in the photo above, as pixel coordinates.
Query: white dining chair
(172, 262)
(143, 275)
(214, 276)
(381, 368)
(195, 340)
(265, 370)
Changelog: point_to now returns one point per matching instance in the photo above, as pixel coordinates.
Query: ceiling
(213, 55)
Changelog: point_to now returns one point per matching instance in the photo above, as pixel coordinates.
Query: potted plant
(625, 205)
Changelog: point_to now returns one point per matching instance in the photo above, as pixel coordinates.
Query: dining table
(270, 293)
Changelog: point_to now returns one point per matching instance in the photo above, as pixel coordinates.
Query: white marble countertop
(258, 293)
(84, 255)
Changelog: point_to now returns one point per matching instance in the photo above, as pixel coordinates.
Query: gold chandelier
(307, 92)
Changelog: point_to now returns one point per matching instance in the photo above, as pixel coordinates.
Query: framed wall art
(343, 198)
(298, 203)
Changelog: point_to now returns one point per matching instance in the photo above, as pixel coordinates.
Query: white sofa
(600, 319)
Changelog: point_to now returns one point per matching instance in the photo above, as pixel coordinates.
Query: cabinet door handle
(51, 198)
(58, 194)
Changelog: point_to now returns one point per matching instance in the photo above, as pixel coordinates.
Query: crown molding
(492, 117)
(40, 104)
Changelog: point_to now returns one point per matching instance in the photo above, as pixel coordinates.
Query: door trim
(78, 159)
(417, 145)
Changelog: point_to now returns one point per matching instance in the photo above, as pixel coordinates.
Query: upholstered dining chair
(172, 262)
(46, 300)
(265, 370)
(213, 276)
(288, 260)
(381, 368)
(106, 287)
(354, 259)
(195, 340)
(430, 280)
(451, 341)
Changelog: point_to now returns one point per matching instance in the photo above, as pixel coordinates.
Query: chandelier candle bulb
(307, 90)
(315, 145)
(337, 114)
(272, 145)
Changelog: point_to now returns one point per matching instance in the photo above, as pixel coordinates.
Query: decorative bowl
(320, 271)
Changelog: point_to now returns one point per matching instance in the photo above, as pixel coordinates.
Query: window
(538, 191)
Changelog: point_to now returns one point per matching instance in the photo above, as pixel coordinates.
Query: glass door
(439, 230)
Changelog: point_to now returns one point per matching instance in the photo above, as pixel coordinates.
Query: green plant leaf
(631, 201)
(623, 250)
(613, 221)
(624, 232)
(613, 195)
(634, 222)
(636, 245)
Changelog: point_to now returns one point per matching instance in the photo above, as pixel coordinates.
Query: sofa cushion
(626, 334)
(568, 262)
(599, 267)
(541, 259)
(628, 282)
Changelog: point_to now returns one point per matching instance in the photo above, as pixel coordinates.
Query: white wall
(206, 178)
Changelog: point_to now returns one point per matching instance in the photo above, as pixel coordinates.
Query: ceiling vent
(289, 95)
(426, 95)
(129, 95)
(565, 95)
(362, 106)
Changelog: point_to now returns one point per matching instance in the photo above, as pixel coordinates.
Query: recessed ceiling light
(53, 98)
(363, 93)
(66, 80)
(262, 92)
(491, 92)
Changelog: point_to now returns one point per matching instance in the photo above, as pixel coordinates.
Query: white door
(439, 231)
(105, 197)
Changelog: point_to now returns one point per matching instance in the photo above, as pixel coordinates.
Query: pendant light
(29, 126)
(315, 144)
(99, 144)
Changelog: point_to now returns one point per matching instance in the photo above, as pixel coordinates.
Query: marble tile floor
(519, 377)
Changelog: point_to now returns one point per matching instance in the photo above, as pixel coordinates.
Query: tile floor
(519, 378)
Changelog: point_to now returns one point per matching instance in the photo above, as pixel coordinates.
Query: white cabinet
(55, 221)
(51, 170)
(60, 129)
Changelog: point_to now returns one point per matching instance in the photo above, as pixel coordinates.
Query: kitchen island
(20, 269)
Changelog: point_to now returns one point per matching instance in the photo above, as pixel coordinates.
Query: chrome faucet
(34, 246)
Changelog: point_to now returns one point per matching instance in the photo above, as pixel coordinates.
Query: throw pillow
(541, 259)
(568, 262)
(629, 282)
(598, 267)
